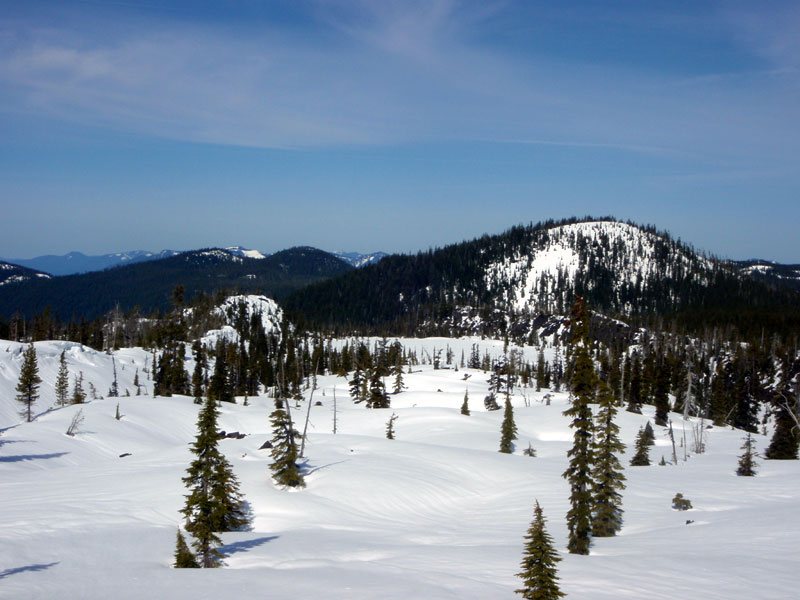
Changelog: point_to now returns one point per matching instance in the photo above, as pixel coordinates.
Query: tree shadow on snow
(245, 545)
(22, 457)
(10, 572)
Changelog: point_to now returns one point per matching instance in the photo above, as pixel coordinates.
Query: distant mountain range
(149, 284)
(77, 262)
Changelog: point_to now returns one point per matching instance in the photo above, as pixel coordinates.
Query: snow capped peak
(615, 255)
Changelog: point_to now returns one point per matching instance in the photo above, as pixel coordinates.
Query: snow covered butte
(585, 256)
(245, 307)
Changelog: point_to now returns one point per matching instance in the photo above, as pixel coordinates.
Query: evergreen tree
(540, 377)
(220, 388)
(607, 473)
(635, 386)
(747, 463)
(397, 371)
(390, 427)
(661, 394)
(214, 503)
(578, 472)
(200, 364)
(785, 440)
(78, 395)
(642, 456)
(539, 574)
(649, 434)
(28, 383)
(62, 381)
(508, 430)
(465, 404)
(184, 559)
(113, 391)
(378, 398)
(285, 470)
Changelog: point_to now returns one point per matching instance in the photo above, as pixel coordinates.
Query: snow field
(437, 513)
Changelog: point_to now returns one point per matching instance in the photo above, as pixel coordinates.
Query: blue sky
(395, 126)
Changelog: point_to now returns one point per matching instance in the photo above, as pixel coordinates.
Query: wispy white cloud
(389, 73)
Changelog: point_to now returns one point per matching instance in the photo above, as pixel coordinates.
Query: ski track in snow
(437, 513)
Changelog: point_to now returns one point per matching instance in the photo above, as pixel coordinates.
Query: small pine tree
(539, 574)
(78, 395)
(390, 427)
(642, 456)
(747, 463)
(378, 398)
(285, 470)
(136, 383)
(399, 385)
(28, 383)
(607, 473)
(113, 391)
(62, 381)
(465, 404)
(508, 430)
(184, 559)
(214, 502)
(650, 434)
(117, 416)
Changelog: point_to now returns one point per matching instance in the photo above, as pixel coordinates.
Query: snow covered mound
(10, 273)
(244, 308)
(438, 513)
(244, 252)
(616, 255)
(97, 369)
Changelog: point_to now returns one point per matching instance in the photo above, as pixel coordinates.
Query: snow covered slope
(437, 513)
(11, 273)
(581, 257)
(360, 260)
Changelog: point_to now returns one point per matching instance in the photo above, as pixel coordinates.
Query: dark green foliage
(28, 382)
(170, 376)
(62, 382)
(150, 285)
(649, 434)
(641, 458)
(681, 503)
(661, 394)
(635, 386)
(78, 395)
(465, 404)
(214, 503)
(184, 559)
(285, 470)
(198, 376)
(377, 398)
(786, 439)
(397, 371)
(747, 463)
(607, 474)
(220, 388)
(390, 427)
(539, 573)
(403, 294)
(578, 473)
(508, 430)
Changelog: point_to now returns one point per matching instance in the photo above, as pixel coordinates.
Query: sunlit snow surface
(437, 513)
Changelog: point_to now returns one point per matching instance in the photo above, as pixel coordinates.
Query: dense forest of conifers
(149, 285)
(419, 294)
